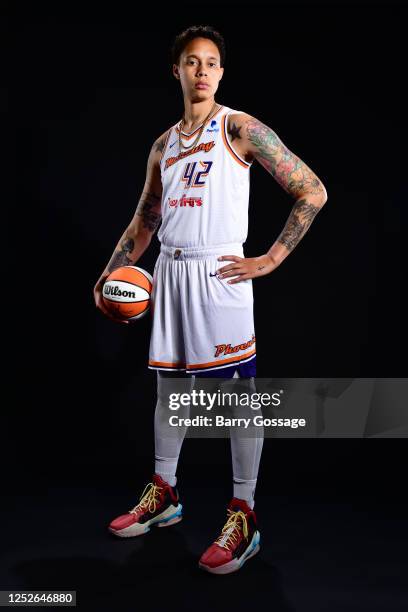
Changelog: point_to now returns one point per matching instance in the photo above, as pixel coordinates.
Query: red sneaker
(239, 541)
(159, 505)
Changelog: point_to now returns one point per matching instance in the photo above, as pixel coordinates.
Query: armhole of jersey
(165, 145)
(227, 143)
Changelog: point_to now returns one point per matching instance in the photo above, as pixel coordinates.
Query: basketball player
(197, 190)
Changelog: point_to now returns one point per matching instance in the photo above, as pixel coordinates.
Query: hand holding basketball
(99, 302)
(124, 295)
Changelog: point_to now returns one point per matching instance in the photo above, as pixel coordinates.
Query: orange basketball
(126, 292)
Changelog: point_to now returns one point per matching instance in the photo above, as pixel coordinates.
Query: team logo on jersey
(227, 349)
(213, 127)
(191, 178)
(203, 146)
(184, 202)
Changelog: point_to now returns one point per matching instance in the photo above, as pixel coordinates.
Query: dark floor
(331, 549)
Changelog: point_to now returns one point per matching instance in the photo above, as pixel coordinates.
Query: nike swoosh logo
(172, 144)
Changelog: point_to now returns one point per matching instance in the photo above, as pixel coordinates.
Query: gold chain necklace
(181, 145)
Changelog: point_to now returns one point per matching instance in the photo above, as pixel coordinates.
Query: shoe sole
(235, 564)
(159, 521)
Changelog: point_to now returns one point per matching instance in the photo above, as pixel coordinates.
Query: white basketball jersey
(205, 189)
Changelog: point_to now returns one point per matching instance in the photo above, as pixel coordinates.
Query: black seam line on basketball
(130, 317)
(138, 313)
(134, 301)
(122, 280)
(218, 367)
(126, 317)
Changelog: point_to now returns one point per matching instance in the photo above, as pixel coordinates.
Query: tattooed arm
(137, 236)
(254, 140)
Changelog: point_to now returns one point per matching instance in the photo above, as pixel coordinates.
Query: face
(199, 64)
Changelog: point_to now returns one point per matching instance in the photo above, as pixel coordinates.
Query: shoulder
(237, 128)
(157, 149)
(160, 143)
(252, 135)
(239, 116)
(244, 121)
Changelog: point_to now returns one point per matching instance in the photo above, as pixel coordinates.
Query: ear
(176, 71)
(222, 73)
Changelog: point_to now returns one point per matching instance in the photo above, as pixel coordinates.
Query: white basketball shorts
(200, 323)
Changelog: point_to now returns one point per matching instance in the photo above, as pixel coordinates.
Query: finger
(99, 285)
(108, 314)
(117, 317)
(241, 278)
(102, 307)
(229, 258)
(228, 268)
(232, 273)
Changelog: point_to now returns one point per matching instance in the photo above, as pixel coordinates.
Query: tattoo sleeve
(294, 176)
(147, 216)
(148, 208)
(288, 170)
(299, 221)
(159, 145)
(121, 257)
(160, 142)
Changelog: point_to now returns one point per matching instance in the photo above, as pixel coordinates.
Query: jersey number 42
(192, 177)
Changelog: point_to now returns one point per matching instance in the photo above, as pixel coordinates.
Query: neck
(196, 112)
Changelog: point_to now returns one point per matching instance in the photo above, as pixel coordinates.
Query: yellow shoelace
(148, 500)
(229, 533)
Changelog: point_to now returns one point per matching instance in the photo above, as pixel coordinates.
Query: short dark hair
(182, 40)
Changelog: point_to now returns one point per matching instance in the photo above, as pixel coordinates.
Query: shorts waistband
(183, 253)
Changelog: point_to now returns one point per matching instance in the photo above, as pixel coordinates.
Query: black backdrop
(93, 90)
